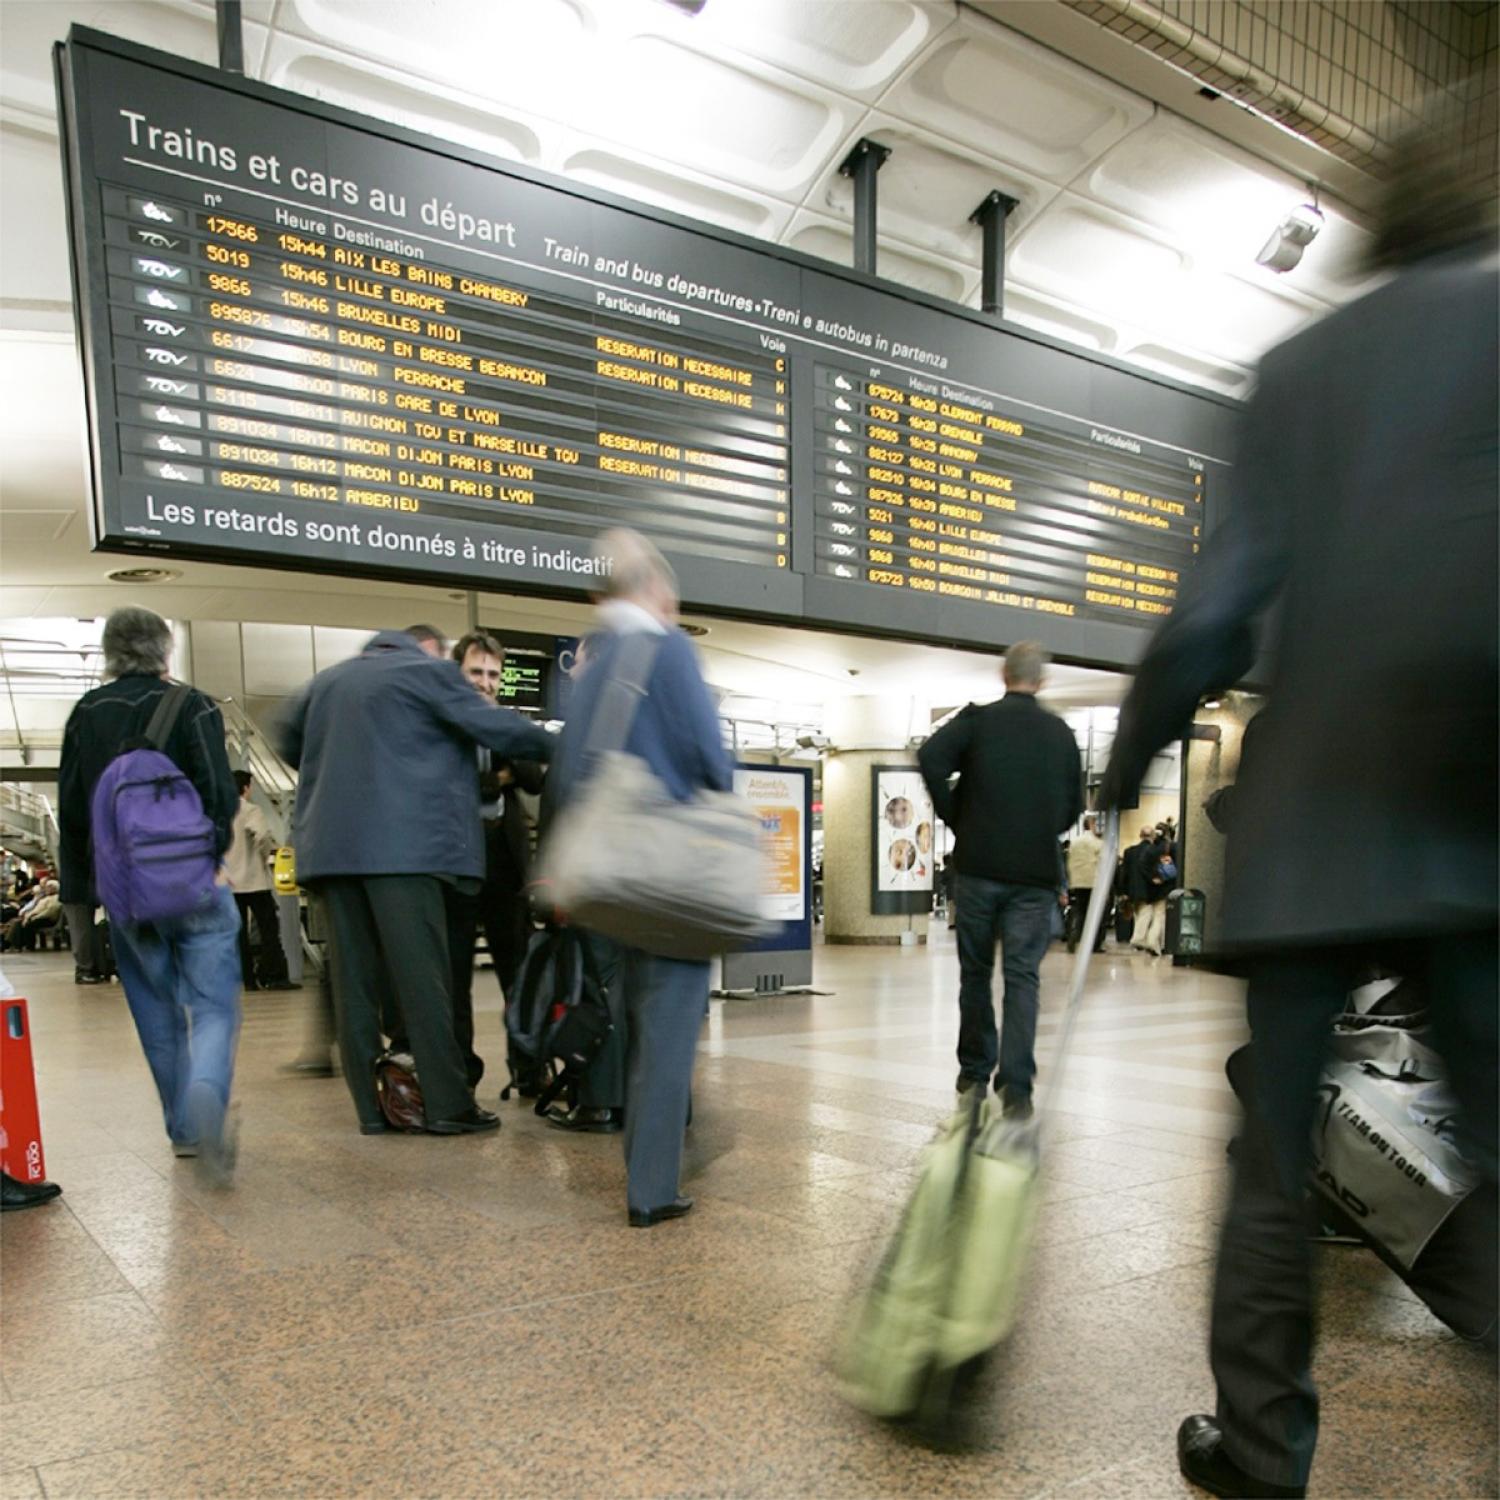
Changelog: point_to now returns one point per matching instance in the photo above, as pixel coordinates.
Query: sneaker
(215, 1159)
(184, 1150)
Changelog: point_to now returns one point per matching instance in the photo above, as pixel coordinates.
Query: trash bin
(20, 1118)
(1185, 923)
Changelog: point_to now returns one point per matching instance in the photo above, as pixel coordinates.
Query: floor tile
(75, 1424)
(473, 1317)
(92, 1341)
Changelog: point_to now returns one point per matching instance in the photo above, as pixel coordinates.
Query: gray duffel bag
(626, 859)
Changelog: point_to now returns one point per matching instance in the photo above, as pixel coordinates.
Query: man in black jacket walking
(1020, 786)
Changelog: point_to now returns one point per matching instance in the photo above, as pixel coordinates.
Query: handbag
(1383, 1145)
(398, 1092)
(627, 859)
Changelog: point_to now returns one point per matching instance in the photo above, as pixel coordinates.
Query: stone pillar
(1208, 765)
(865, 732)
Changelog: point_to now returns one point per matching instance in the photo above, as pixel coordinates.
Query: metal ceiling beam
(231, 36)
(861, 164)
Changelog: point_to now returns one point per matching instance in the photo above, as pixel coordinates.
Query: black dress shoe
(1201, 1457)
(374, 1127)
(1014, 1105)
(281, 984)
(644, 1218)
(17, 1194)
(591, 1121)
(471, 1122)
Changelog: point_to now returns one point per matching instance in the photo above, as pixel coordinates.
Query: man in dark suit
(1365, 501)
(387, 817)
(499, 905)
(1020, 786)
(675, 730)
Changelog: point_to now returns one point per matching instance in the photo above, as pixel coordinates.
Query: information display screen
(316, 341)
(919, 491)
(262, 361)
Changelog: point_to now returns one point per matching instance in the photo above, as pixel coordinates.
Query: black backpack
(558, 1019)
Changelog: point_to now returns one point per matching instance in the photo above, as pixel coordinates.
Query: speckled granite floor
(471, 1317)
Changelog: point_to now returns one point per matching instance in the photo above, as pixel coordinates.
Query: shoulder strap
(622, 695)
(168, 709)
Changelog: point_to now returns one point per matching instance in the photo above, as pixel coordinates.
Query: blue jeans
(182, 983)
(1019, 917)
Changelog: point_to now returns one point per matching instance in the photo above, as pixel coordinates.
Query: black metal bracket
(991, 216)
(231, 36)
(861, 164)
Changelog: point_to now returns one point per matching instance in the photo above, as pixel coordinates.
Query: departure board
(920, 490)
(316, 341)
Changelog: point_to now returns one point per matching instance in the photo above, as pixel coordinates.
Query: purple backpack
(155, 853)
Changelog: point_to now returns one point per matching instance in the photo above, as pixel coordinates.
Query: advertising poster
(903, 846)
(780, 799)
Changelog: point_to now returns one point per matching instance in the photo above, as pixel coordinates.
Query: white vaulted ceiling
(1135, 235)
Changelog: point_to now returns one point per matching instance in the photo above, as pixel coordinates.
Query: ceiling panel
(831, 239)
(1005, 97)
(30, 28)
(1033, 309)
(1217, 203)
(672, 189)
(305, 68)
(520, 56)
(769, 134)
(1094, 259)
(856, 49)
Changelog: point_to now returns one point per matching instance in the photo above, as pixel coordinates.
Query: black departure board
(316, 341)
(921, 490)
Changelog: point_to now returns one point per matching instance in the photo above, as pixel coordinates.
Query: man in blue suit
(387, 816)
(676, 732)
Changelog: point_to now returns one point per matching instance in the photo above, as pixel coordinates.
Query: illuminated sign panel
(312, 340)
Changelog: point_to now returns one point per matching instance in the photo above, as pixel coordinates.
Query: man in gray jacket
(387, 815)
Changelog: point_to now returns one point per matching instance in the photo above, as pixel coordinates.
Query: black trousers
(1078, 910)
(390, 933)
(1262, 1334)
(499, 908)
(463, 915)
(266, 960)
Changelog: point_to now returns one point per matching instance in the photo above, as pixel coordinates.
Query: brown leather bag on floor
(399, 1092)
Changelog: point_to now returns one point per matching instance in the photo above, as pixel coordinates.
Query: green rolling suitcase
(947, 1289)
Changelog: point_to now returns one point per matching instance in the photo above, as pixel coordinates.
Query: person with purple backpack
(146, 807)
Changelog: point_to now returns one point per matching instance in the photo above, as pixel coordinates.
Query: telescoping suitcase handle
(1093, 920)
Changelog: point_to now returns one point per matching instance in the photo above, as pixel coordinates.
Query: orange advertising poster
(778, 799)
